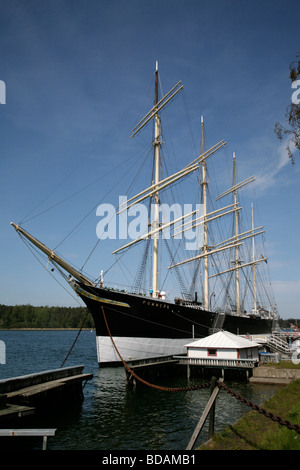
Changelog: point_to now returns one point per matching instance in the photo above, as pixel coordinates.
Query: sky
(79, 75)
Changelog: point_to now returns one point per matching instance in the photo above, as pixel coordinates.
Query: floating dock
(28, 394)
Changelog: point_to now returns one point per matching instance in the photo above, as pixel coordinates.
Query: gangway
(218, 323)
(277, 343)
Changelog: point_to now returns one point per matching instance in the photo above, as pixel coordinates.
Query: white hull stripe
(83, 292)
(132, 348)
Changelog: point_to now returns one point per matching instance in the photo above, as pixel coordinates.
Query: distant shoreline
(28, 317)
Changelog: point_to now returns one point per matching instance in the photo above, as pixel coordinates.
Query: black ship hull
(146, 327)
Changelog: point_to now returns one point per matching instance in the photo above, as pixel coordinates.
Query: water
(113, 416)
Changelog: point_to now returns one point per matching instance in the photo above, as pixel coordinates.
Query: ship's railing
(122, 288)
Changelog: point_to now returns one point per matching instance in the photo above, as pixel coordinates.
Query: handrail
(29, 433)
(249, 363)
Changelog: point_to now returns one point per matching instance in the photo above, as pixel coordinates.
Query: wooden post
(203, 417)
(212, 411)
(44, 442)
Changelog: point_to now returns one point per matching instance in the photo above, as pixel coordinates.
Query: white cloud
(270, 171)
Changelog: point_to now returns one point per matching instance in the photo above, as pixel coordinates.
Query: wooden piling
(205, 413)
(212, 410)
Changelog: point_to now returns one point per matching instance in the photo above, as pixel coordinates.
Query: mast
(155, 224)
(205, 246)
(237, 274)
(154, 114)
(254, 265)
(157, 186)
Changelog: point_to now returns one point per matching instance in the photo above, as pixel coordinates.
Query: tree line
(28, 316)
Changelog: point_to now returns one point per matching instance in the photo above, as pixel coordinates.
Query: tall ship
(216, 270)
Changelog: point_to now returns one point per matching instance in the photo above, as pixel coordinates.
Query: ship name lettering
(160, 305)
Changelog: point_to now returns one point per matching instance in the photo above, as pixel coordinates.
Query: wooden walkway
(27, 394)
(154, 367)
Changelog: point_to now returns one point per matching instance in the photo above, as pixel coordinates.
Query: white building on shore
(223, 346)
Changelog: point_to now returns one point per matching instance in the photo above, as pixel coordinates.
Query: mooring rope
(74, 342)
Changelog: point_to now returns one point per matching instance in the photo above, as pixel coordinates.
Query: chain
(157, 387)
(267, 414)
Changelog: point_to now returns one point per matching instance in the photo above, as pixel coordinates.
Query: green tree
(27, 316)
(292, 115)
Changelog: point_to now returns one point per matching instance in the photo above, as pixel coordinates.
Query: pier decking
(152, 368)
(20, 396)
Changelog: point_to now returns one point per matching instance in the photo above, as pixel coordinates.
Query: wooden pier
(221, 351)
(243, 367)
(28, 394)
(153, 368)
